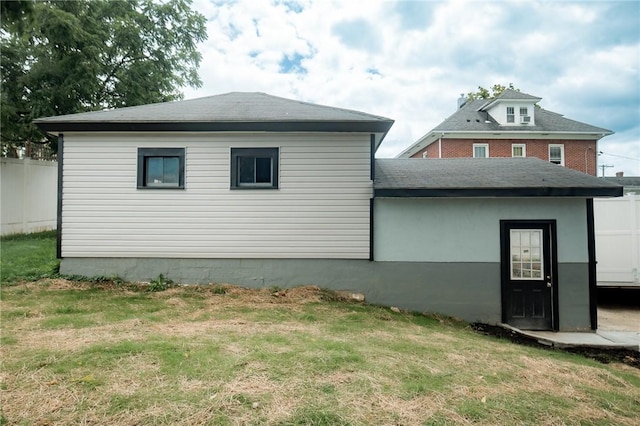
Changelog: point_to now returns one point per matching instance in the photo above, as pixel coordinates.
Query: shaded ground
(619, 309)
(618, 318)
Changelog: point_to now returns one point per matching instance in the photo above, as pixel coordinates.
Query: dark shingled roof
(472, 118)
(485, 177)
(230, 111)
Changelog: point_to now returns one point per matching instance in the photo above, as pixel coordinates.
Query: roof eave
(602, 134)
(381, 126)
(584, 192)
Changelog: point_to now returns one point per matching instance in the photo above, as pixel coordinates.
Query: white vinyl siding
(321, 209)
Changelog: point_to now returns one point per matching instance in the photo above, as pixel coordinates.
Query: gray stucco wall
(467, 232)
(468, 229)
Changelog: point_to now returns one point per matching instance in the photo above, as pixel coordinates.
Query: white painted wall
(617, 227)
(468, 229)
(29, 192)
(499, 112)
(320, 211)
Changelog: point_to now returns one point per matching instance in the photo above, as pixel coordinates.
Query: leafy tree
(495, 91)
(64, 57)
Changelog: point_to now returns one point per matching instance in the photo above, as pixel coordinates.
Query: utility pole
(604, 166)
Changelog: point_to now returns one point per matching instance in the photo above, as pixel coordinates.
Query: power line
(619, 156)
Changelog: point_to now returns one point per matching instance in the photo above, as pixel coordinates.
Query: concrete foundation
(469, 291)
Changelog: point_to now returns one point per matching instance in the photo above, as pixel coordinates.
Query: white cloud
(411, 60)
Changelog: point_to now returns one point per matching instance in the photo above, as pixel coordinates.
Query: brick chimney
(462, 100)
(619, 174)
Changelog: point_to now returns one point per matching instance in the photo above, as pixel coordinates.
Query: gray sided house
(256, 190)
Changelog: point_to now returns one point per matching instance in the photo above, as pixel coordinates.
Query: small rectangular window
(480, 150)
(556, 154)
(254, 168)
(526, 246)
(524, 111)
(160, 168)
(511, 115)
(518, 150)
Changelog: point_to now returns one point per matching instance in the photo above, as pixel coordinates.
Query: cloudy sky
(411, 60)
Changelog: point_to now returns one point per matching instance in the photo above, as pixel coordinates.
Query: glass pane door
(526, 254)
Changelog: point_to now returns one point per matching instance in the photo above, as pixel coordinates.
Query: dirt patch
(618, 318)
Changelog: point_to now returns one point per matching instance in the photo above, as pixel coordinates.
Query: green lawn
(114, 353)
(28, 257)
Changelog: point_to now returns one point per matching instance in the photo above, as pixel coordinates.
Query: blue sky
(411, 60)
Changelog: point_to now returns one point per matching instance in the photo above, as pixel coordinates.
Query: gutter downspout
(440, 145)
(59, 201)
(593, 280)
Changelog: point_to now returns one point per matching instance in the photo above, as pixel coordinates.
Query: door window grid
(526, 254)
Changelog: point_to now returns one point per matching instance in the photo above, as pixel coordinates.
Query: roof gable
(485, 177)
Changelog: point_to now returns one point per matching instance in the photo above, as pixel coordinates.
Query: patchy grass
(28, 257)
(78, 353)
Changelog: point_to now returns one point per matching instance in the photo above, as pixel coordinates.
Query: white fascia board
(421, 143)
(524, 135)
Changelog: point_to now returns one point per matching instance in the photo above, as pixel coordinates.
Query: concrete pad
(628, 337)
(600, 339)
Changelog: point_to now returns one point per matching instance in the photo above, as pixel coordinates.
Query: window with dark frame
(511, 115)
(160, 168)
(254, 168)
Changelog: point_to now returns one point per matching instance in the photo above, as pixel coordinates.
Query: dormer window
(511, 115)
(525, 118)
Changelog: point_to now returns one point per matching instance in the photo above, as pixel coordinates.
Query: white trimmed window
(480, 150)
(518, 150)
(511, 115)
(556, 154)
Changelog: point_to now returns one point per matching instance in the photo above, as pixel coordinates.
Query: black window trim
(143, 153)
(272, 152)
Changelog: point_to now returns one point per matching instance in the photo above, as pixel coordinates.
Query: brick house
(511, 125)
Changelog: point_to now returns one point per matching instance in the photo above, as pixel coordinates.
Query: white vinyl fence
(617, 229)
(29, 190)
